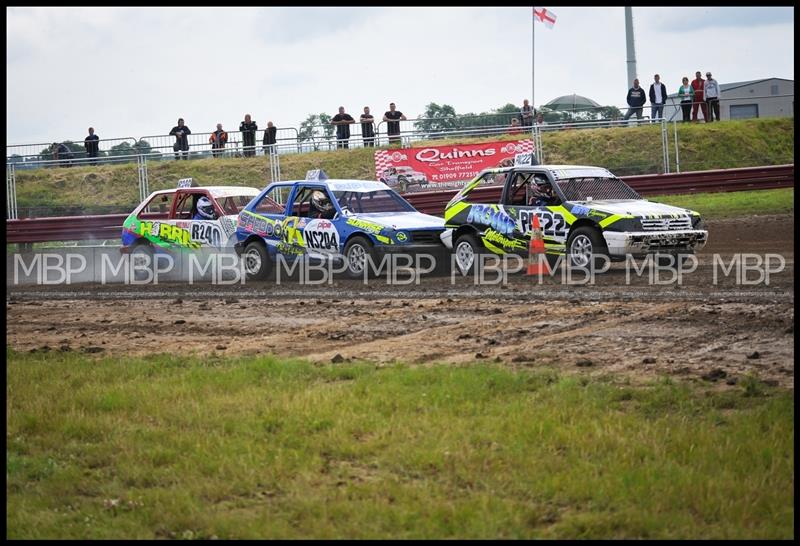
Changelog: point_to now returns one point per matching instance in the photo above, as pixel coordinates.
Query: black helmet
(321, 201)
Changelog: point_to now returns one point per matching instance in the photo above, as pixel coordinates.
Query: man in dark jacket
(92, 145)
(181, 146)
(636, 100)
(248, 129)
(62, 153)
(658, 98)
(342, 120)
(367, 127)
(270, 137)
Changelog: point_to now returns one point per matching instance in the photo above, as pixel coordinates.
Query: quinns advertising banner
(446, 167)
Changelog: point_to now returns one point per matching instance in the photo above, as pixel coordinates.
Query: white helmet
(205, 208)
(321, 201)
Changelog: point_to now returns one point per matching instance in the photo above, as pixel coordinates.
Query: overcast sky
(134, 71)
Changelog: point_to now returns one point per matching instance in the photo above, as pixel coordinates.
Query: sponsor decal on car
(322, 236)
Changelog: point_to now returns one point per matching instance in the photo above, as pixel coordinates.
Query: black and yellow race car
(584, 213)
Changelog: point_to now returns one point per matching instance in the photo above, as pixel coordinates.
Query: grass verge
(733, 204)
(167, 447)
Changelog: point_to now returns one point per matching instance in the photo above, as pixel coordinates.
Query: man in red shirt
(699, 98)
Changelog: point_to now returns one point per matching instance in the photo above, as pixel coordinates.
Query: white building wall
(780, 104)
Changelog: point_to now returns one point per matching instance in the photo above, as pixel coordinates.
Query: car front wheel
(586, 247)
(358, 255)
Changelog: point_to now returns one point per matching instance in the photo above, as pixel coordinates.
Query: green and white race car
(584, 212)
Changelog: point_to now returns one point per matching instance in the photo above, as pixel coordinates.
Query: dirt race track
(719, 333)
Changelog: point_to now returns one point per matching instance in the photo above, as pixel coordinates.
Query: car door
(308, 228)
(266, 218)
(516, 201)
(195, 233)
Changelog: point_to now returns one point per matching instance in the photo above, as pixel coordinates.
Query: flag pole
(533, 74)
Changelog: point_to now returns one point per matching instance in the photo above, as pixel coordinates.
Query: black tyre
(468, 251)
(256, 261)
(586, 248)
(358, 252)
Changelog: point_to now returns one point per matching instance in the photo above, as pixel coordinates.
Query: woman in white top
(686, 94)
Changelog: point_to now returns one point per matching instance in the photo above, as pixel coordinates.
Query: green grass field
(734, 204)
(168, 447)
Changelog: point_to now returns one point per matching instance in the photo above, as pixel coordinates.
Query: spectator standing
(248, 129)
(526, 114)
(218, 139)
(270, 138)
(699, 101)
(658, 98)
(540, 119)
(636, 100)
(686, 94)
(514, 128)
(342, 121)
(92, 145)
(393, 118)
(367, 127)
(181, 146)
(711, 94)
(61, 152)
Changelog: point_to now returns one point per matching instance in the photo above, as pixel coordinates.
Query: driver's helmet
(205, 208)
(321, 201)
(541, 188)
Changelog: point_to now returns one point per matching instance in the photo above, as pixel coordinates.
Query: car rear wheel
(358, 255)
(142, 261)
(586, 247)
(256, 261)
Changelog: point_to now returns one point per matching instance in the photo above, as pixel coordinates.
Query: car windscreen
(373, 201)
(594, 188)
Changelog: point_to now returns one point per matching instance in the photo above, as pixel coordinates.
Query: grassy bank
(625, 151)
(235, 448)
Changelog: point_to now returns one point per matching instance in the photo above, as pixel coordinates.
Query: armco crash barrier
(109, 226)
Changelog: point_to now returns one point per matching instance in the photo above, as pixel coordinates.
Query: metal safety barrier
(723, 180)
(65, 228)
(109, 226)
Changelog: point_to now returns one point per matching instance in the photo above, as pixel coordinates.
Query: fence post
(677, 154)
(537, 144)
(141, 162)
(11, 191)
(274, 165)
(665, 145)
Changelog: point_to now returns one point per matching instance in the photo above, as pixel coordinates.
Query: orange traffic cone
(537, 261)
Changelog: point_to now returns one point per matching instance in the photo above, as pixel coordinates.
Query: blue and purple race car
(331, 220)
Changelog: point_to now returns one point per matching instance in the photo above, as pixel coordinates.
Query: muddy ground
(717, 333)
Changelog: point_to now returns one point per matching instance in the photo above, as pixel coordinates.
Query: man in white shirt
(711, 95)
(658, 98)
